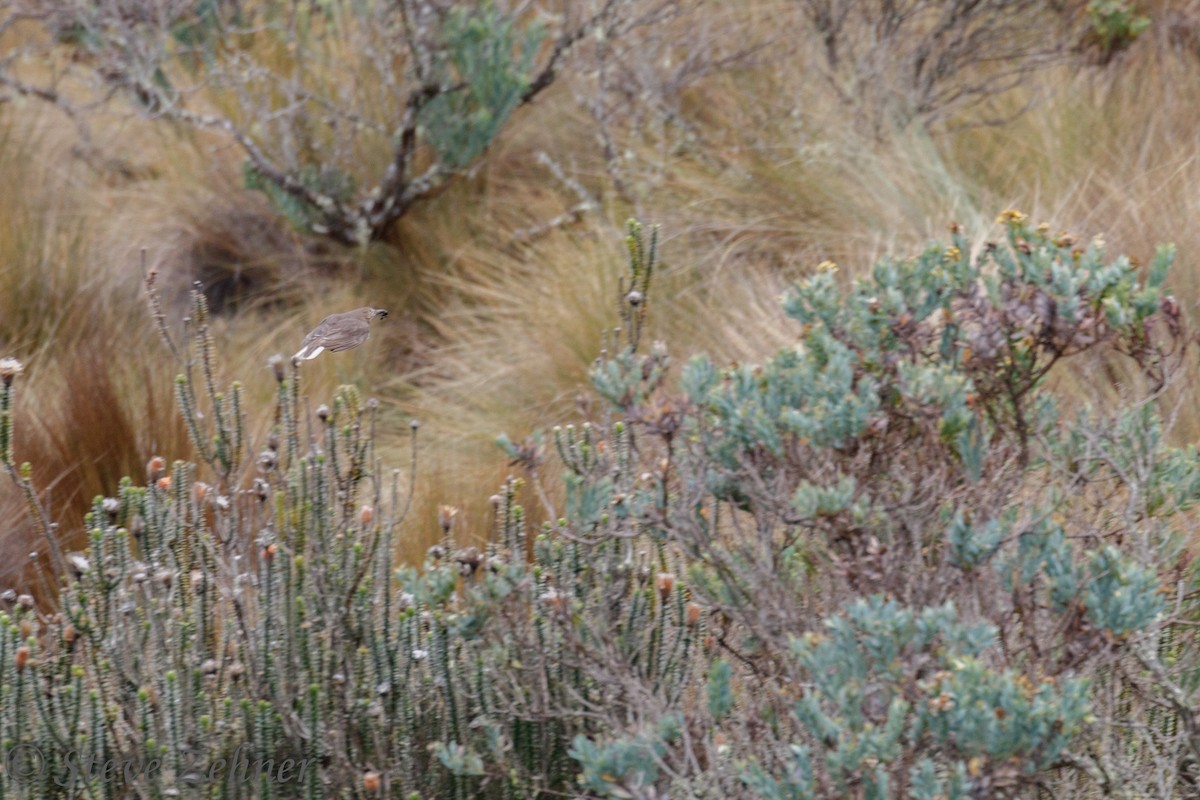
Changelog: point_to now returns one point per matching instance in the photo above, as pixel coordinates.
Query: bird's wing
(338, 335)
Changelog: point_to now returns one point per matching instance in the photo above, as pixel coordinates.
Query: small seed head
(277, 363)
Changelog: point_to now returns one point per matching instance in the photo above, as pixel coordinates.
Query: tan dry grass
(761, 177)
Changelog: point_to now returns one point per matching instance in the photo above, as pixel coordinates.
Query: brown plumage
(339, 332)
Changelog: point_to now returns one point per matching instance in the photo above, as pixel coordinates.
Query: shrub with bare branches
(347, 113)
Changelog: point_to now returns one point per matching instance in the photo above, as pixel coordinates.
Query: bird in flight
(339, 332)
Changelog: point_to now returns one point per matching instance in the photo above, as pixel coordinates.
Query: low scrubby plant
(885, 562)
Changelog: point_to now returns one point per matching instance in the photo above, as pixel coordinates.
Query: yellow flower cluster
(1011, 217)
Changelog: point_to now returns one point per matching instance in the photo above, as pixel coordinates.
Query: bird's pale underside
(339, 332)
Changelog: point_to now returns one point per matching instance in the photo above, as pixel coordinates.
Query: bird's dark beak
(382, 313)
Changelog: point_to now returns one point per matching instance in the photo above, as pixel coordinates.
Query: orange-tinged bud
(164, 483)
(365, 515)
(371, 781)
(22, 657)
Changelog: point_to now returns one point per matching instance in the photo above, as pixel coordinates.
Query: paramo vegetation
(806, 492)
(883, 561)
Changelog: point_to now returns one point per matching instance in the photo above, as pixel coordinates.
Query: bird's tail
(307, 355)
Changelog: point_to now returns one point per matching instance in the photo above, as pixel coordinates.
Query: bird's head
(371, 313)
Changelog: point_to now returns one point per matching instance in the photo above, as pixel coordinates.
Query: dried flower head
(164, 483)
(468, 560)
(111, 506)
(371, 781)
(267, 460)
(21, 657)
(200, 491)
(691, 613)
(155, 467)
(666, 584)
(78, 563)
(277, 363)
(446, 515)
(553, 599)
(9, 369)
(365, 515)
